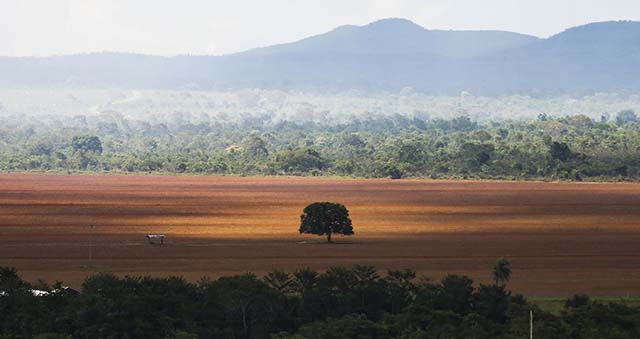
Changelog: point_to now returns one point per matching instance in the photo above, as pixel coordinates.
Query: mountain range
(389, 54)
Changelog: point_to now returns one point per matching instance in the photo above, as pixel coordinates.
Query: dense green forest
(399, 146)
(356, 302)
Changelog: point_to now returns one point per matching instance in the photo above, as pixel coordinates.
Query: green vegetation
(397, 146)
(326, 218)
(555, 305)
(338, 303)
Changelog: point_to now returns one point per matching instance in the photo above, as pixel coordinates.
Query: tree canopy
(326, 218)
(341, 302)
(396, 146)
(87, 143)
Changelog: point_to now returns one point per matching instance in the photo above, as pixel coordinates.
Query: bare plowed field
(561, 238)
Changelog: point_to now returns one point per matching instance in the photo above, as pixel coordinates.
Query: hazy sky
(46, 27)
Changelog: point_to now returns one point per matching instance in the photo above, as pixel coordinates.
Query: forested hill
(385, 55)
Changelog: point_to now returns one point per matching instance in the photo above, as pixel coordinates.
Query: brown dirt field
(562, 238)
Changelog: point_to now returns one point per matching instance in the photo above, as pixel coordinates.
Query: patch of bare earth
(562, 238)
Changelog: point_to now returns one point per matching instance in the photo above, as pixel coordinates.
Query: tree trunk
(329, 236)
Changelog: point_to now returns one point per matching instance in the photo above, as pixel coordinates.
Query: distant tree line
(355, 302)
(397, 146)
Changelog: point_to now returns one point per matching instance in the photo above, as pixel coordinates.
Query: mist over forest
(391, 66)
(388, 99)
(276, 105)
(354, 134)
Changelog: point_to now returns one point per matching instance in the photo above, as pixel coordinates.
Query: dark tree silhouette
(326, 218)
(560, 151)
(626, 117)
(502, 271)
(87, 143)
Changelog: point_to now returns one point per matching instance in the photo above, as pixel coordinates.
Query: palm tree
(502, 271)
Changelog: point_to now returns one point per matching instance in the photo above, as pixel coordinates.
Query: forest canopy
(341, 302)
(575, 147)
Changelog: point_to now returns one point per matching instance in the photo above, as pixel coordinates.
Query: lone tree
(502, 271)
(322, 218)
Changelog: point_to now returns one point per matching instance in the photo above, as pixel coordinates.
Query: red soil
(562, 238)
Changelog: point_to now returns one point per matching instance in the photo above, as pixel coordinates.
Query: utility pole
(91, 243)
(530, 324)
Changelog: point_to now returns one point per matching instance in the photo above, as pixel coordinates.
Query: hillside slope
(389, 54)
